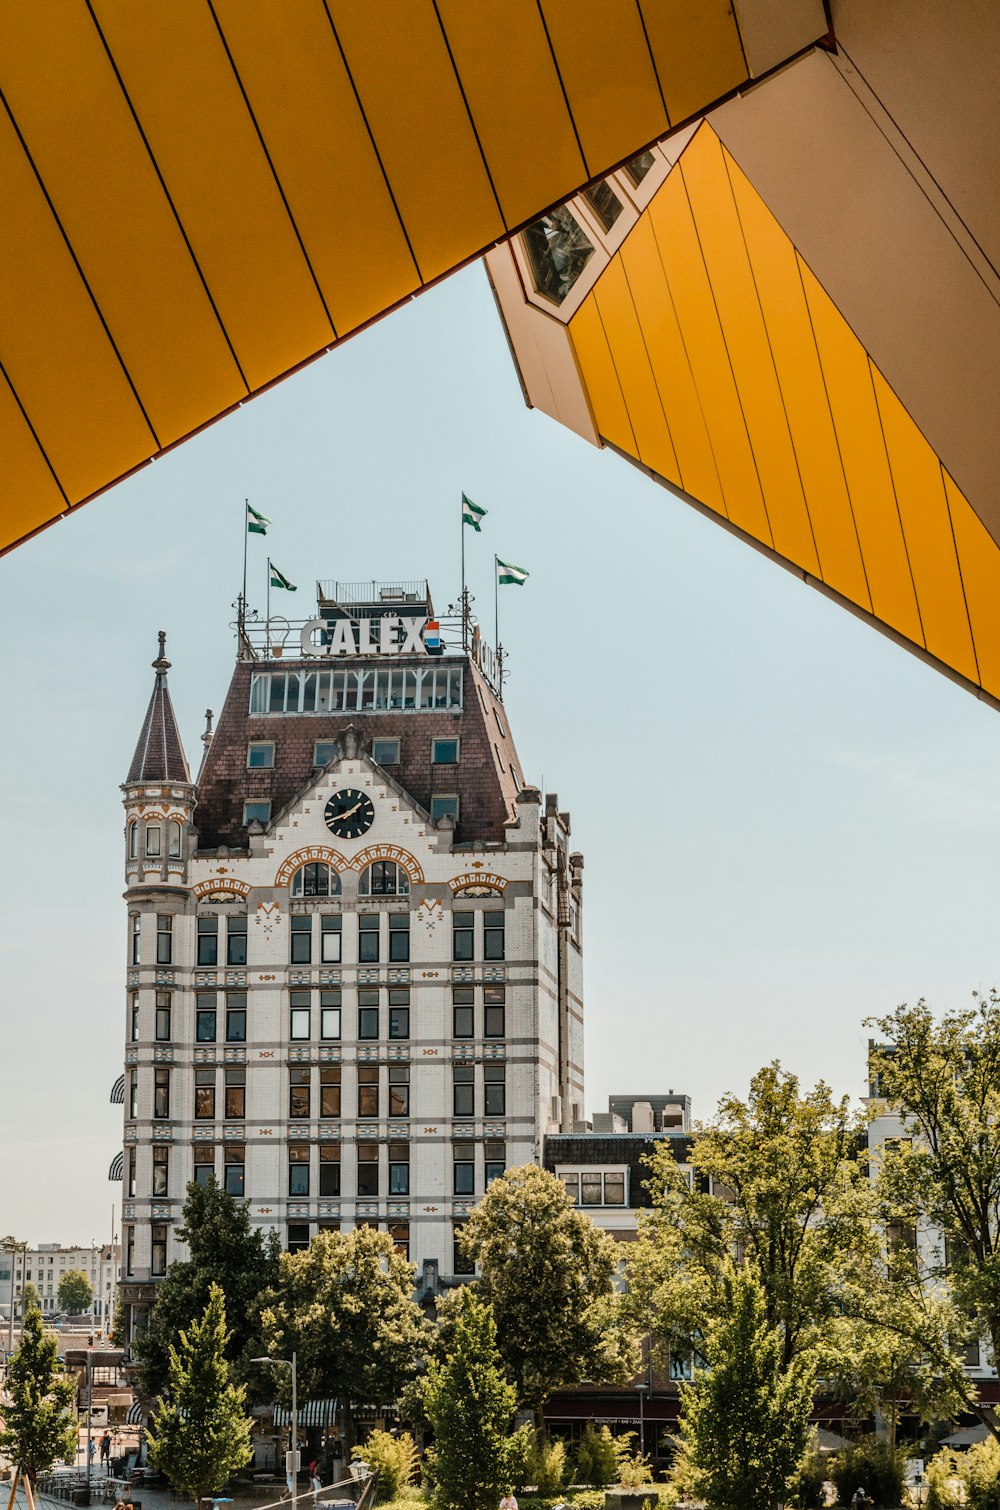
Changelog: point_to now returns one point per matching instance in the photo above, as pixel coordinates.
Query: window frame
(446, 740)
(260, 745)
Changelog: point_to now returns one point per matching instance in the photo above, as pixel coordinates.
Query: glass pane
(330, 1022)
(614, 1190)
(639, 166)
(604, 202)
(590, 1189)
(299, 1023)
(558, 250)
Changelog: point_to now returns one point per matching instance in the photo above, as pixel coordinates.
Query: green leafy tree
(395, 1459)
(225, 1250)
(548, 1274)
(942, 1077)
(201, 1432)
(746, 1416)
(30, 1299)
(75, 1294)
(39, 1427)
(471, 1406)
(596, 1457)
(345, 1306)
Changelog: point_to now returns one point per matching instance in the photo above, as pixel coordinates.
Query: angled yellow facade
(199, 197)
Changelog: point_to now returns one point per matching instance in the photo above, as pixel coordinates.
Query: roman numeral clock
(349, 813)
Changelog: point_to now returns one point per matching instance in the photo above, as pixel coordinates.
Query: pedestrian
(508, 1502)
(859, 1499)
(314, 1479)
(91, 1449)
(106, 1450)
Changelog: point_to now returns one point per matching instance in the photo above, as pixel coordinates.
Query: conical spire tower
(159, 754)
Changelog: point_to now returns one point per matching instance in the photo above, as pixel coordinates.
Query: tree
(943, 1079)
(746, 1417)
(471, 1407)
(345, 1306)
(201, 1431)
(225, 1250)
(38, 1416)
(548, 1274)
(75, 1293)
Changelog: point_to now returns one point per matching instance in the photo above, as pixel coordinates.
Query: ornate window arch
(315, 879)
(384, 878)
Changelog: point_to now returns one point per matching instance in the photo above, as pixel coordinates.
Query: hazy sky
(788, 822)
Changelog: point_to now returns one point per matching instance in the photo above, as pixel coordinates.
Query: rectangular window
(236, 941)
(399, 1012)
(495, 1098)
(133, 1016)
(399, 1168)
(133, 1094)
(368, 928)
(130, 1184)
(493, 940)
(444, 805)
(164, 938)
(161, 1093)
(301, 939)
(329, 1091)
(614, 1190)
(463, 1008)
(464, 1091)
(153, 839)
(460, 1264)
(367, 1012)
(298, 1169)
(236, 1095)
(399, 936)
(494, 1008)
(163, 1015)
(234, 1163)
(299, 1018)
(298, 1094)
(298, 1237)
(236, 1017)
(444, 751)
(204, 1165)
(256, 812)
(385, 751)
(399, 1090)
(367, 1090)
(135, 937)
(329, 1169)
(205, 1016)
(330, 936)
(161, 1168)
(367, 1169)
(400, 1234)
(204, 1095)
(463, 926)
(464, 1168)
(260, 755)
(590, 1188)
(496, 1160)
(329, 1014)
(158, 1249)
(208, 941)
(325, 750)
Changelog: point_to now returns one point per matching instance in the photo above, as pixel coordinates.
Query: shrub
(980, 1472)
(632, 1469)
(872, 1465)
(808, 1488)
(943, 1476)
(546, 1467)
(596, 1457)
(395, 1460)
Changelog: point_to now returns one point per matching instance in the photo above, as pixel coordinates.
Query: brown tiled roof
(487, 777)
(159, 755)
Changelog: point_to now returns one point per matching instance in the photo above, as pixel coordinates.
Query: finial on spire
(161, 664)
(206, 738)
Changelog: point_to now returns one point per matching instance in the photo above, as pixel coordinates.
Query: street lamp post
(90, 1411)
(642, 1388)
(292, 1461)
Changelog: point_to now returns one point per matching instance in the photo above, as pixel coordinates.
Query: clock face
(349, 813)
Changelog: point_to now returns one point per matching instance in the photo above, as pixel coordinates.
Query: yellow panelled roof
(197, 198)
(711, 355)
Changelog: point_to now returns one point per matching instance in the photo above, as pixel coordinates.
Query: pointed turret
(159, 755)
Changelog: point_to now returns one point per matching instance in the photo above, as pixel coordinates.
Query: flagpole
(461, 524)
(268, 630)
(496, 602)
(241, 617)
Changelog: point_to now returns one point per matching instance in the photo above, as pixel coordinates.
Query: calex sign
(389, 634)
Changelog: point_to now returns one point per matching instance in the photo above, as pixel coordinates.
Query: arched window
(173, 841)
(133, 840)
(384, 879)
(316, 880)
(152, 838)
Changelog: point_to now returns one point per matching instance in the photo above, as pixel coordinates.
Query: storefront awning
(310, 1413)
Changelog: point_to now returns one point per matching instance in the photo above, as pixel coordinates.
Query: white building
(48, 1263)
(354, 943)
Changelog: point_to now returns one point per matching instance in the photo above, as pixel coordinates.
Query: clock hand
(351, 811)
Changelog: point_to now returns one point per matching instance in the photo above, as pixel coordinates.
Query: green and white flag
(277, 580)
(256, 523)
(472, 513)
(508, 575)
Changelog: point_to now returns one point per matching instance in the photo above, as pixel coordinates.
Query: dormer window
(444, 752)
(256, 812)
(260, 755)
(316, 881)
(384, 879)
(153, 839)
(325, 750)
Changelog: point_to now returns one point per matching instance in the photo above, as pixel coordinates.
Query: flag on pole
(472, 513)
(508, 575)
(256, 523)
(277, 580)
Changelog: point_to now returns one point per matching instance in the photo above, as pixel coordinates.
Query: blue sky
(788, 822)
